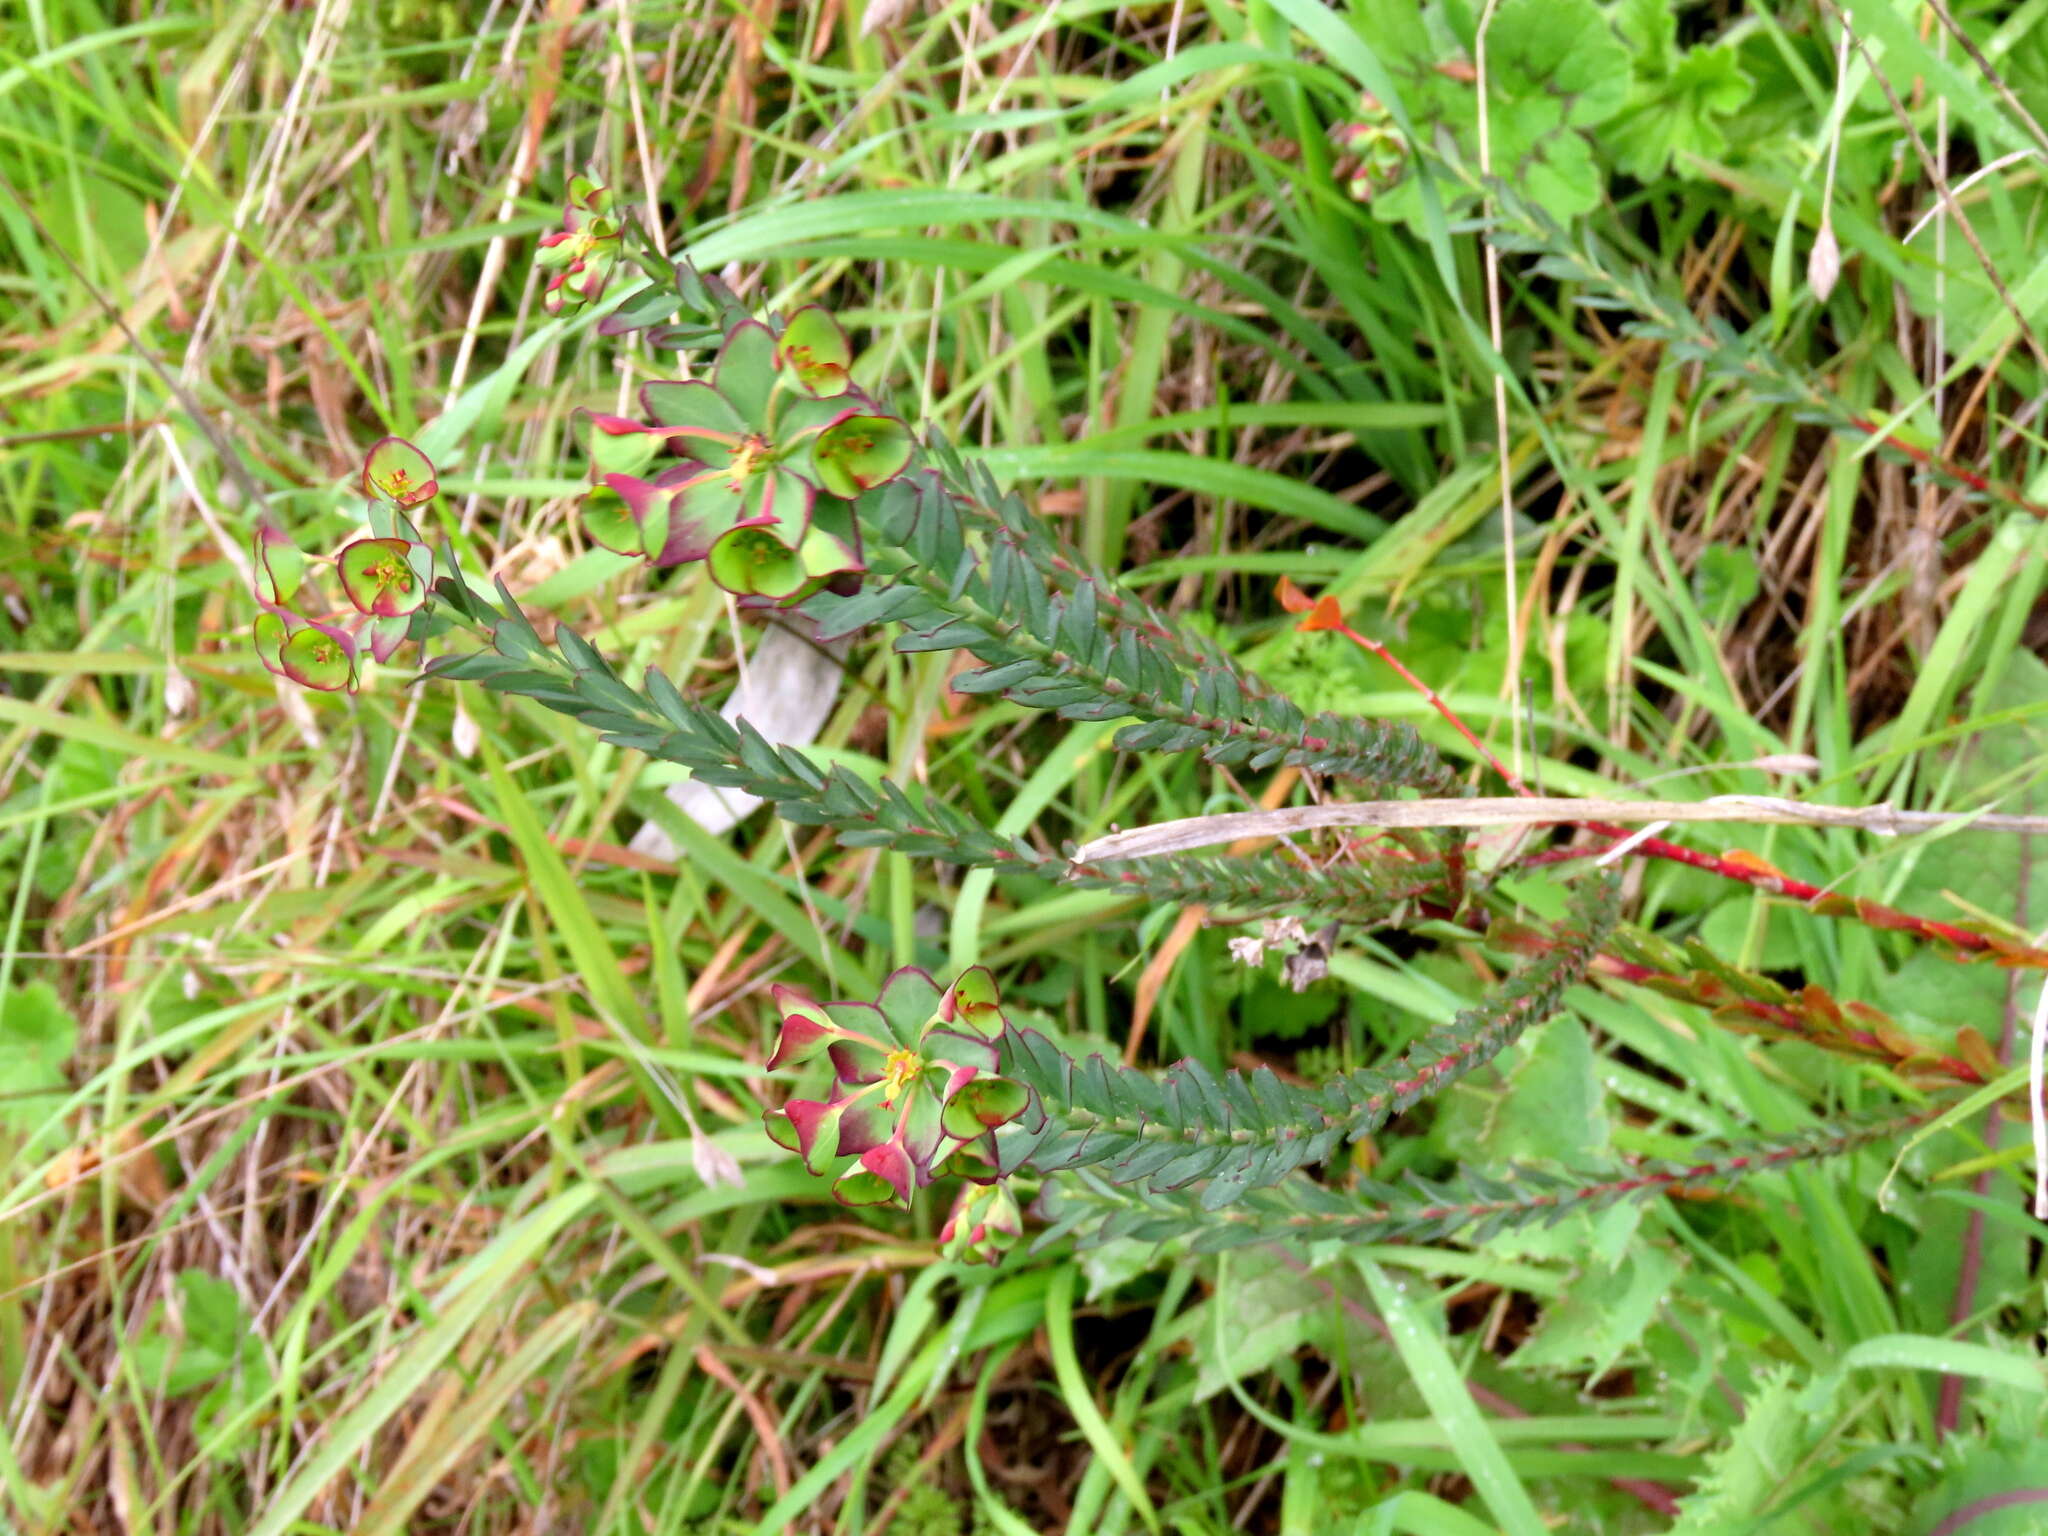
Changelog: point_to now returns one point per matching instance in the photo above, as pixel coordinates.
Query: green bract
(381, 578)
(399, 473)
(318, 656)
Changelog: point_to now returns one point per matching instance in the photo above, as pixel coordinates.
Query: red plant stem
(1774, 1014)
(1753, 873)
(1434, 700)
(1786, 1019)
(1949, 468)
(1990, 1504)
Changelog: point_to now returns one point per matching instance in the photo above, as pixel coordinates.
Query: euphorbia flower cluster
(583, 252)
(1375, 153)
(914, 1081)
(753, 471)
(384, 578)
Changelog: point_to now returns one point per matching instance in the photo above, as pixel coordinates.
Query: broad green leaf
(1601, 1314)
(1552, 1106)
(37, 1036)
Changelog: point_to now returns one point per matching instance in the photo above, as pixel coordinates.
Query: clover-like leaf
(319, 656)
(858, 453)
(816, 353)
(378, 578)
(399, 473)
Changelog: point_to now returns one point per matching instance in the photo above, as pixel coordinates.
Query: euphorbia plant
(385, 579)
(583, 252)
(914, 1081)
(798, 490)
(766, 457)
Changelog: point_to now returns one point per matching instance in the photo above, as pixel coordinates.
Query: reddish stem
(1949, 468)
(1748, 870)
(1788, 1020)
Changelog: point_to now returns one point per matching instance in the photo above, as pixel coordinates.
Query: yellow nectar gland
(749, 458)
(899, 1072)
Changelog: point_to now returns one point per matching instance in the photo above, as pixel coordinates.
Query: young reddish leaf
(609, 521)
(399, 473)
(858, 453)
(583, 251)
(971, 1001)
(282, 562)
(884, 1175)
(1292, 598)
(984, 1221)
(271, 633)
(319, 657)
(387, 633)
(815, 350)
(377, 576)
(982, 1104)
(1325, 615)
(806, 1029)
(809, 1129)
